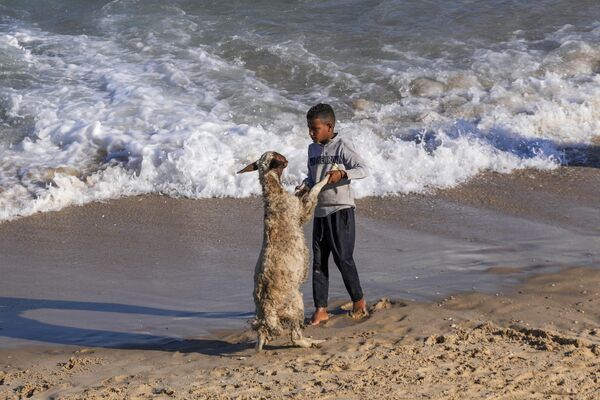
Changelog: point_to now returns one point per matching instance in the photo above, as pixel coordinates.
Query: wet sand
(149, 297)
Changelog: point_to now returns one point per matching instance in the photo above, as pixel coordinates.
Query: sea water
(104, 99)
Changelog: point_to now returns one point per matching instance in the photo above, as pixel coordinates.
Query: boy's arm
(353, 163)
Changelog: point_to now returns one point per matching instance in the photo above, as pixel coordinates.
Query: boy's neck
(329, 139)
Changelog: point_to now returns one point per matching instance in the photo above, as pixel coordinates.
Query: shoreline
(169, 257)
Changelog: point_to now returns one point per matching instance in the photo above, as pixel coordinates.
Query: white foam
(118, 116)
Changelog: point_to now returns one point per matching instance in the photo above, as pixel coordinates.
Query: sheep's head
(269, 161)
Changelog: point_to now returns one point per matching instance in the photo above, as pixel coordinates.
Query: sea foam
(161, 109)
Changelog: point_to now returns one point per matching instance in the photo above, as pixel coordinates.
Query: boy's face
(320, 131)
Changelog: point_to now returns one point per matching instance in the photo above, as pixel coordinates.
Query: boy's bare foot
(320, 315)
(359, 309)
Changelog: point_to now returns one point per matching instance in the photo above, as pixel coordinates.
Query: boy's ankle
(320, 311)
(320, 315)
(360, 304)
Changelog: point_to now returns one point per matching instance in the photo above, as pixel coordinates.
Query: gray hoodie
(321, 157)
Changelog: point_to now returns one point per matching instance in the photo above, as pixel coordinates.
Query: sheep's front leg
(309, 201)
(299, 340)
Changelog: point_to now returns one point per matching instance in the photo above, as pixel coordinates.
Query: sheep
(282, 265)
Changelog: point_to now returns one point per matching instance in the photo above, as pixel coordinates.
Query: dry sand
(542, 341)
(539, 338)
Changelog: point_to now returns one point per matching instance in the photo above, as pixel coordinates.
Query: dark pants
(334, 234)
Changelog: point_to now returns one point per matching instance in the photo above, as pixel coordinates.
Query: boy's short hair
(322, 111)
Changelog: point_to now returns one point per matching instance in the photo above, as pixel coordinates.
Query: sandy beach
(128, 243)
(481, 291)
(540, 341)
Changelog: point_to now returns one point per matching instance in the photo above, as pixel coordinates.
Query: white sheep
(283, 261)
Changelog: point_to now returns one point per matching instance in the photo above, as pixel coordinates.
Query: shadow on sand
(14, 324)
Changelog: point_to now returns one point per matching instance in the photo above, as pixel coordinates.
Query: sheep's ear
(249, 168)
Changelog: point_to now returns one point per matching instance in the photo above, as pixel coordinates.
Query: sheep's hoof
(260, 343)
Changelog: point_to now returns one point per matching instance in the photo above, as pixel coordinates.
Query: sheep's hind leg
(299, 340)
(260, 342)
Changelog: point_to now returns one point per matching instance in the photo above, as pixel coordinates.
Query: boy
(333, 228)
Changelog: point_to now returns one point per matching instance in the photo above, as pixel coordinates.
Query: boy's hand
(336, 176)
